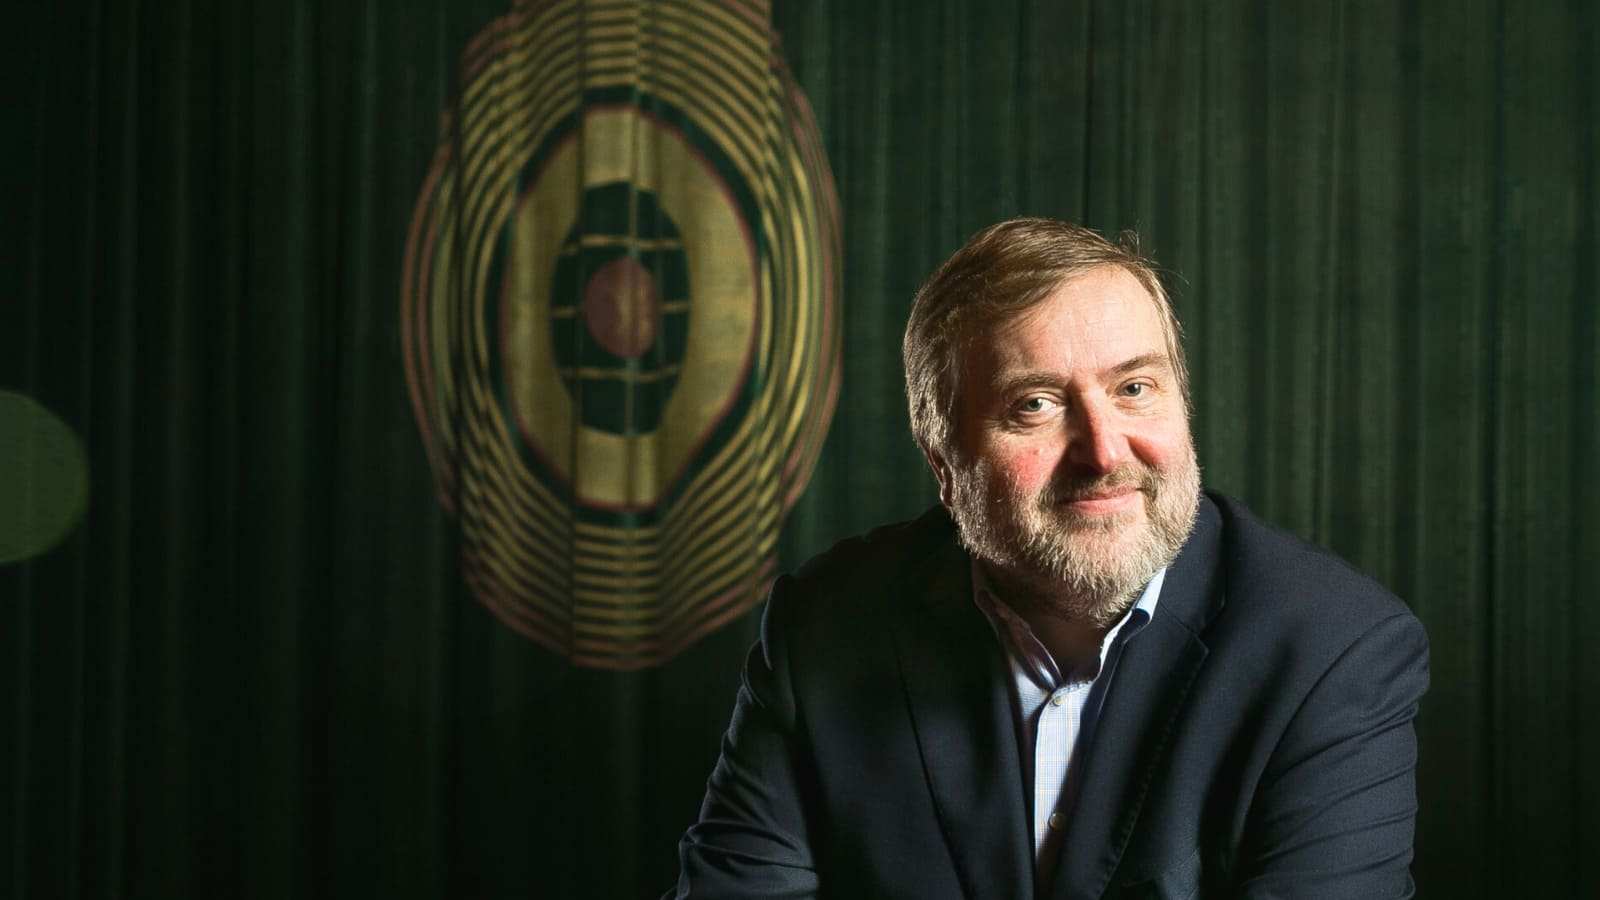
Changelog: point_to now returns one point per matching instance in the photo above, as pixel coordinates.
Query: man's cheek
(1029, 470)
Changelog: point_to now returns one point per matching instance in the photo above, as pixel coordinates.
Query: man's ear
(941, 472)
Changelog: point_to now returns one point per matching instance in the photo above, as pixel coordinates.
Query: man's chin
(1105, 554)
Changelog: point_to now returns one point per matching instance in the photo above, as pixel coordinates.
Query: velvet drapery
(252, 670)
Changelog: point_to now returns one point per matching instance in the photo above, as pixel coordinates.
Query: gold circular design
(619, 551)
(623, 145)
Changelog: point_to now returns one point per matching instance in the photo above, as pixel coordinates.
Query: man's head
(1047, 387)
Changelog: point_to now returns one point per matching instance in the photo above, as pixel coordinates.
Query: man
(1080, 677)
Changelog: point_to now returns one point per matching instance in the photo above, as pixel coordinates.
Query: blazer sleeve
(1335, 814)
(751, 840)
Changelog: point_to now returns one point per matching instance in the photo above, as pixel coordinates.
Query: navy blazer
(1257, 740)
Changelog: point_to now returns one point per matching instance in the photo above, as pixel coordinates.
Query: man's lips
(1104, 501)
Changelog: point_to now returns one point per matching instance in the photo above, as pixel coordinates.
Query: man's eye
(1135, 389)
(1033, 405)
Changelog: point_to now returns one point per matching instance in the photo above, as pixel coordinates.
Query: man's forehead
(1114, 326)
(1095, 297)
(1113, 311)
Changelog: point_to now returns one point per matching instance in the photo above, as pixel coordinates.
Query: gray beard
(1091, 565)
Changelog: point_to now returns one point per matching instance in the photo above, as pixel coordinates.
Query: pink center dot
(621, 307)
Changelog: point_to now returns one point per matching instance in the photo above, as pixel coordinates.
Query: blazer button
(1057, 821)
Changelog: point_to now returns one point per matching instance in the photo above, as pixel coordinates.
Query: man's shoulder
(867, 581)
(1269, 572)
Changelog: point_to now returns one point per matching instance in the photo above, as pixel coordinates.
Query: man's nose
(1095, 439)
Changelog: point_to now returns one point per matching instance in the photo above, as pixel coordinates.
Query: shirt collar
(1029, 653)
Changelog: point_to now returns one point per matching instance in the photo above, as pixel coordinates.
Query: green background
(252, 670)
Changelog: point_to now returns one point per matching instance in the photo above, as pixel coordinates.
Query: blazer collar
(958, 695)
(1147, 691)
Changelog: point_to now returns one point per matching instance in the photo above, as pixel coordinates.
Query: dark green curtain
(252, 670)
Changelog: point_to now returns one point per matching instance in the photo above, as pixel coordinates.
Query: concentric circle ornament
(620, 318)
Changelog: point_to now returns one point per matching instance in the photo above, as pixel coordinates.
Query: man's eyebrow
(1016, 384)
(1142, 361)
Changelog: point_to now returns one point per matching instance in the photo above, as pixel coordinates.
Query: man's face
(1072, 465)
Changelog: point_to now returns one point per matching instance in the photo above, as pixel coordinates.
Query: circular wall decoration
(620, 319)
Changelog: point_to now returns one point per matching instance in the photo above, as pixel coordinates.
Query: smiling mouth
(1104, 501)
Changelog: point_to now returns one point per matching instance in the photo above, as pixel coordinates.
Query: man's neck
(1072, 641)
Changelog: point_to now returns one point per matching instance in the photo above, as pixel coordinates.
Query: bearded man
(1079, 676)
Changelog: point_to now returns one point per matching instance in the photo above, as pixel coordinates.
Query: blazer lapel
(1146, 693)
(957, 694)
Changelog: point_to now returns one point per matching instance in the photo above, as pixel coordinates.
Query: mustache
(1071, 488)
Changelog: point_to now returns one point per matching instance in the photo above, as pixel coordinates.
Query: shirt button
(1058, 699)
(1057, 821)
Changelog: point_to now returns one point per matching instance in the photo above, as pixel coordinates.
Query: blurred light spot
(44, 478)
